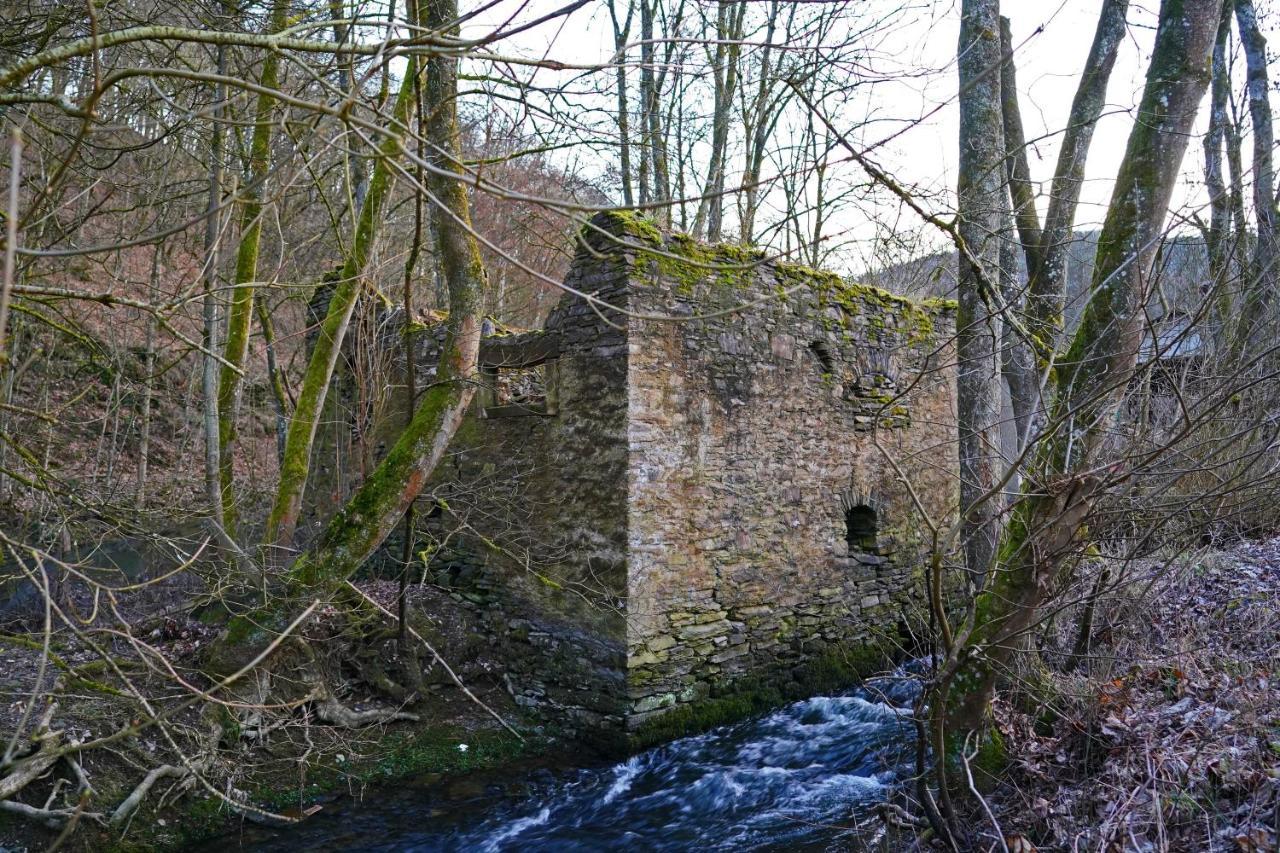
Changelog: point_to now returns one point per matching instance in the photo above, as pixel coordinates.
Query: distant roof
(1176, 336)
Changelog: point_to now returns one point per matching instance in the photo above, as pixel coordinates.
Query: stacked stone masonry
(691, 496)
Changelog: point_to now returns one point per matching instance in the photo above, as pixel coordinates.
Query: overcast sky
(1051, 38)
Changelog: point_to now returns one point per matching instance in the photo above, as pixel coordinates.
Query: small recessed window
(860, 528)
(516, 391)
(822, 352)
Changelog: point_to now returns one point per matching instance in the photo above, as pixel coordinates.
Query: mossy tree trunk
(246, 272)
(1093, 374)
(296, 463)
(366, 520)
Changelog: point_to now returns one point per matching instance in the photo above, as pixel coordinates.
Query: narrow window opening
(860, 528)
(822, 352)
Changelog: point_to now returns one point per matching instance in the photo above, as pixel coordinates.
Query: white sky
(1051, 38)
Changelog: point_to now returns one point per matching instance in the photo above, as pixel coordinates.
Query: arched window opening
(860, 528)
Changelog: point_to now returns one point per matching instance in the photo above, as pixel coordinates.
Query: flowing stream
(798, 779)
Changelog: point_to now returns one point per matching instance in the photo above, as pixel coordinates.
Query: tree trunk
(1215, 136)
(283, 520)
(980, 192)
(620, 34)
(1257, 87)
(238, 318)
(1045, 249)
(729, 21)
(1045, 525)
(209, 373)
(382, 500)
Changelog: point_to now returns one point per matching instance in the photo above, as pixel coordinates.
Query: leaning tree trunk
(1094, 372)
(979, 213)
(296, 463)
(371, 514)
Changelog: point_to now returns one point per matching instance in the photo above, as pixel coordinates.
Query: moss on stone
(836, 669)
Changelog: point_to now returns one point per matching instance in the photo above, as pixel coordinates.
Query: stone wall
(670, 522)
(751, 435)
(529, 508)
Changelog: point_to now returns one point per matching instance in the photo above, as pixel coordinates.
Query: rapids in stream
(798, 779)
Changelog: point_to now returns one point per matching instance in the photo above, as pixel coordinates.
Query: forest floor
(291, 766)
(1168, 739)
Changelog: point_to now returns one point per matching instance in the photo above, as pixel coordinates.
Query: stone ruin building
(670, 522)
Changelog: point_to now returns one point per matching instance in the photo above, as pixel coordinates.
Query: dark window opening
(860, 528)
(823, 353)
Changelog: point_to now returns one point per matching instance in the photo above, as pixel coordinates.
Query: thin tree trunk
(620, 34)
(275, 376)
(760, 125)
(1215, 136)
(729, 20)
(148, 389)
(980, 192)
(212, 464)
(1258, 87)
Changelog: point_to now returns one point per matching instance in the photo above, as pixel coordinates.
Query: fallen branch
(31, 767)
(51, 818)
(333, 712)
(134, 799)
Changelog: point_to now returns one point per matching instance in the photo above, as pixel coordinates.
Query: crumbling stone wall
(672, 521)
(528, 509)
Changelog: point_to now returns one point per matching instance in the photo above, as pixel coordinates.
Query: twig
(965, 756)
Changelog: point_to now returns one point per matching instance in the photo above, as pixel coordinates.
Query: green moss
(681, 259)
(853, 299)
(836, 669)
(991, 759)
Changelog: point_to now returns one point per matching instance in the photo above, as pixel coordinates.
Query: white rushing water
(800, 778)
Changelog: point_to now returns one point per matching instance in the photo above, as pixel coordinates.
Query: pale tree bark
(708, 221)
(356, 178)
(759, 117)
(621, 32)
(246, 272)
(209, 370)
(1045, 524)
(1214, 139)
(1257, 86)
(383, 499)
(979, 194)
